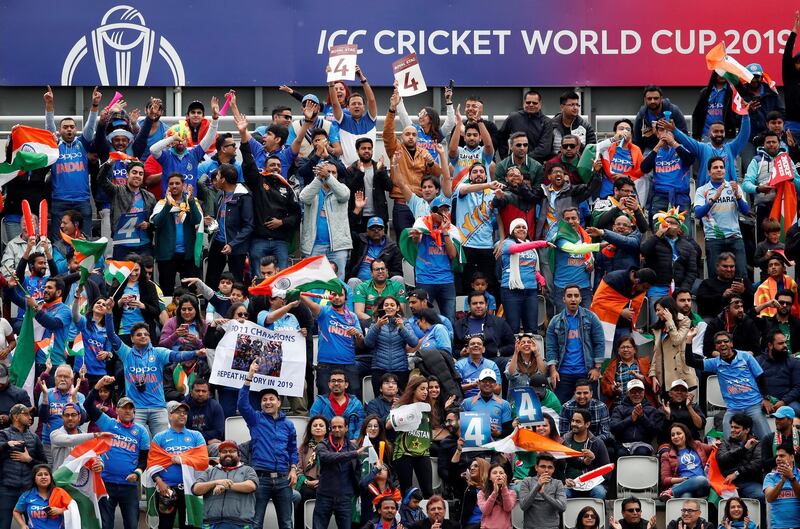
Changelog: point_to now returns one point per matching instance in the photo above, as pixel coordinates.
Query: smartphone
(738, 280)
(451, 84)
(381, 313)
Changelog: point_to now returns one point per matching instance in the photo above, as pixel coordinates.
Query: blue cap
(755, 69)
(784, 412)
(310, 97)
(439, 202)
(375, 221)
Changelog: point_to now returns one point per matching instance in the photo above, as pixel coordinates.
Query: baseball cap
(755, 68)
(174, 406)
(784, 412)
(439, 202)
(227, 444)
(539, 384)
(195, 105)
(16, 409)
(125, 401)
(375, 221)
(635, 383)
(309, 97)
(3, 374)
(488, 373)
(679, 382)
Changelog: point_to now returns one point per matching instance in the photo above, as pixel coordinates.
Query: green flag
(87, 253)
(21, 373)
(586, 161)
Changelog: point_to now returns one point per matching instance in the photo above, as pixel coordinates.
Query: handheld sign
(408, 76)
(342, 62)
(476, 430)
(782, 169)
(527, 405)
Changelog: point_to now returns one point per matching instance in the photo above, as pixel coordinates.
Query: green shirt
(367, 294)
(531, 170)
(416, 442)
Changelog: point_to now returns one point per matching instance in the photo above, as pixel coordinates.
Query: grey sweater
(62, 443)
(230, 506)
(542, 506)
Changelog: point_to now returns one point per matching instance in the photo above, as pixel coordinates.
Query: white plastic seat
(517, 517)
(674, 506)
(236, 429)
(648, 508)
(424, 504)
(408, 274)
(574, 506)
(271, 515)
(637, 476)
(714, 401)
(300, 425)
(753, 509)
(308, 516)
(367, 393)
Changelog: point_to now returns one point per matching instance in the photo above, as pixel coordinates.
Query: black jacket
(389, 255)
(497, 337)
(657, 253)
(745, 335)
(381, 184)
(767, 324)
(272, 198)
(147, 295)
(537, 126)
(733, 456)
(14, 474)
(680, 413)
(783, 377)
(709, 296)
(10, 396)
(729, 117)
(338, 474)
(646, 427)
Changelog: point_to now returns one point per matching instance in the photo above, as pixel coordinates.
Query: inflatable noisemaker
(224, 109)
(43, 219)
(28, 218)
(117, 97)
(381, 448)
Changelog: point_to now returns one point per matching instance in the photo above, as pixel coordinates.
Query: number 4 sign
(476, 430)
(342, 62)
(408, 76)
(527, 405)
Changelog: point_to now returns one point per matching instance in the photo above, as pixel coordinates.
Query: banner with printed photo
(281, 354)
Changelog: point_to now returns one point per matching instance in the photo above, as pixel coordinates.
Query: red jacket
(669, 462)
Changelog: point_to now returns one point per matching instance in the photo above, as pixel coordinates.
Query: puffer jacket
(759, 173)
(387, 345)
(14, 474)
(657, 253)
(336, 201)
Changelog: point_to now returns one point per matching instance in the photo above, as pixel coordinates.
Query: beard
(780, 355)
(228, 461)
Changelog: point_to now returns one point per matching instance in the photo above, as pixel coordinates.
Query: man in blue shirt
(782, 489)
(125, 460)
(470, 367)
(489, 403)
(355, 123)
(273, 449)
(573, 261)
(741, 381)
(55, 317)
(52, 403)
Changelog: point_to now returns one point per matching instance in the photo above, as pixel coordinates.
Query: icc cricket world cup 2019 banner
(474, 42)
(281, 358)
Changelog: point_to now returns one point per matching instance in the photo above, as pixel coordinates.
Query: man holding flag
(572, 255)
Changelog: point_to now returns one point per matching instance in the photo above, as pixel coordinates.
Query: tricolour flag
(193, 461)
(118, 270)
(424, 225)
(607, 304)
(716, 479)
(32, 149)
(726, 66)
(784, 208)
(527, 441)
(87, 253)
(84, 485)
(312, 273)
(21, 372)
(77, 346)
(43, 346)
(60, 499)
(737, 103)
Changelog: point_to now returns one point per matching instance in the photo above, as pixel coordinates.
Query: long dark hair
(408, 395)
(728, 509)
(36, 469)
(436, 123)
(381, 431)
(379, 306)
(553, 428)
(437, 406)
(307, 437)
(686, 432)
(667, 303)
(488, 485)
(198, 317)
(581, 513)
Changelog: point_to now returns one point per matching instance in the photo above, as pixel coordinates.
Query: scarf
(182, 207)
(514, 276)
(49, 304)
(778, 439)
(435, 233)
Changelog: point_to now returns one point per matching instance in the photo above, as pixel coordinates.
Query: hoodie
(759, 173)
(239, 218)
(644, 136)
(353, 413)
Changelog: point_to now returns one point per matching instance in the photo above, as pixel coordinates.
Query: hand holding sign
(527, 405)
(408, 76)
(476, 430)
(342, 63)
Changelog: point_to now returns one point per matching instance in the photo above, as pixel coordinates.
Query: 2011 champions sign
(281, 355)
(474, 42)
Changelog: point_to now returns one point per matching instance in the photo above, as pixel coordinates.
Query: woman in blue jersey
(186, 328)
(135, 300)
(434, 334)
(34, 506)
(520, 280)
(97, 349)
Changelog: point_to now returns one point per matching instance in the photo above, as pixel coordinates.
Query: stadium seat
(436, 481)
(539, 340)
(408, 274)
(517, 517)
(574, 506)
(648, 508)
(673, 509)
(308, 516)
(753, 509)
(315, 349)
(367, 394)
(236, 429)
(542, 311)
(643, 322)
(637, 476)
(271, 515)
(300, 425)
(424, 503)
(714, 402)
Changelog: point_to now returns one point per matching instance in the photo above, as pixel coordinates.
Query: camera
(140, 386)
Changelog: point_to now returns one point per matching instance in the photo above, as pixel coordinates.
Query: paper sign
(527, 405)
(342, 62)
(782, 169)
(408, 76)
(476, 430)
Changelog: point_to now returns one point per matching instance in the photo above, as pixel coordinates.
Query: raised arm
(455, 137)
(372, 103)
(49, 110)
(211, 135)
(91, 120)
(337, 107)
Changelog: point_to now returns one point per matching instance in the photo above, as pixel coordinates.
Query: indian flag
(118, 270)
(425, 226)
(77, 346)
(87, 253)
(784, 208)
(607, 304)
(719, 489)
(84, 485)
(193, 461)
(718, 60)
(43, 346)
(312, 273)
(31, 149)
(528, 441)
(21, 372)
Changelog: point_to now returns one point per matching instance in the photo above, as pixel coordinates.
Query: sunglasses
(784, 303)
(569, 146)
(520, 145)
(633, 510)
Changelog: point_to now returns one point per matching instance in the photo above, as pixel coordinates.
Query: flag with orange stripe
(607, 304)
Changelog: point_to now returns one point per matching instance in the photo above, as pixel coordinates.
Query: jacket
(657, 253)
(733, 456)
(389, 255)
(497, 337)
(579, 127)
(237, 508)
(201, 370)
(768, 323)
(592, 339)
(336, 200)
(539, 129)
(625, 253)
(532, 171)
(164, 240)
(381, 184)
(353, 413)
(680, 413)
(516, 202)
(147, 295)
(15, 474)
(239, 219)
(782, 377)
(770, 101)
(273, 440)
(411, 168)
(569, 196)
(207, 418)
(745, 335)
(729, 117)
(542, 505)
(701, 524)
(609, 378)
(387, 346)
(759, 173)
(122, 196)
(669, 462)
(605, 212)
(272, 198)
(643, 430)
(338, 470)
(644, 136)
(596, 445)
(668, 364)
(10, 396)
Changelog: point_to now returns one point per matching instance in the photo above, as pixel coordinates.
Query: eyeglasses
(241, 314)
(379, 269)
(229, 145)
(724, 340)
(689, 511)
(569, 146)
(336, 381)
(633, 510)
(520, 145)
(531, 102)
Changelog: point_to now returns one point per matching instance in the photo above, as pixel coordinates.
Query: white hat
(488, 373)
(679, 382)
(635, 383)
